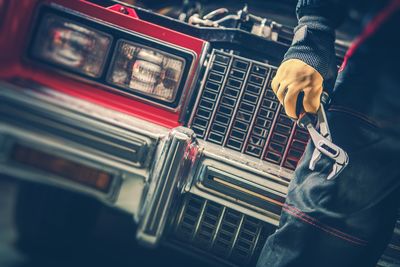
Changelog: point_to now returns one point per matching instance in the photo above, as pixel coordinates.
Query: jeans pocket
(352, 130)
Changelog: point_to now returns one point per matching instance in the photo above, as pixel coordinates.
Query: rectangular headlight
(147, 71)
(71, 45)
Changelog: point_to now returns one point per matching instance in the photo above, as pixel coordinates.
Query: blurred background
(106, 237)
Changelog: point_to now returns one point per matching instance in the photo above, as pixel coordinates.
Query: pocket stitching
(354, 114)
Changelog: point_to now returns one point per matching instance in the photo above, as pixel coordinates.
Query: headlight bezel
(62, 22)
(118, 35)
(158, 48)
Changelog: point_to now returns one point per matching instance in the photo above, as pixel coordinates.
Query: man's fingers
(282, 90)
(312, 100)
(290, 100)
(277, 79)
(275, 84)
(297, 76)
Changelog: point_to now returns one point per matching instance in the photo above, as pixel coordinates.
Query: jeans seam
(328, 229)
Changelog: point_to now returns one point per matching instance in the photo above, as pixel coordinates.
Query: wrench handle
(325, 100)
(305, 119)
(299, 105)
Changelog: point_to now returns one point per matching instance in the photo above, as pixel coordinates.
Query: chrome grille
(214, 229)
(238, 109)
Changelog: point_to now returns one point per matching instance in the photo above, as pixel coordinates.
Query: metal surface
(218, 198)
(238, 185)
(323, 143)
(236, 108)
(19, 29)
(80, 132)
(171, 166)
(217, 233)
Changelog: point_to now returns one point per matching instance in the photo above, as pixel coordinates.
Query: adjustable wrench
(323, 140)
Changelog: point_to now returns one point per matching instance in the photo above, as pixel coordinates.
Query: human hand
(295, 76)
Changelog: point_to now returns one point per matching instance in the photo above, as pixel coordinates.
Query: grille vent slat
(220, 231)
(238, 109)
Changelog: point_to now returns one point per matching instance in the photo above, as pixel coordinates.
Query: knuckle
(285, 71)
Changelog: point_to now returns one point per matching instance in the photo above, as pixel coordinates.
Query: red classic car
(171, 120)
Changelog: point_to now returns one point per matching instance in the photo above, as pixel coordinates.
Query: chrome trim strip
(280, 174)
(202, 86)
(188, 95)
(25, 90)
(165, 185)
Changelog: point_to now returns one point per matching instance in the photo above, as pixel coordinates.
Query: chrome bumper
(153, 168)
(53, 124)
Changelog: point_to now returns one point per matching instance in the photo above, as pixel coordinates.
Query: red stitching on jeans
(321, 228)
(324, 225)
(370, 29)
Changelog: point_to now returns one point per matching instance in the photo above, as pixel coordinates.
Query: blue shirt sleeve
(314, 38)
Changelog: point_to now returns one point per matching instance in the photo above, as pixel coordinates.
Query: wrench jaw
(336, 153)
(339, 165)
(335, 171)
(316, 156)
(322, 140)
(341, 162)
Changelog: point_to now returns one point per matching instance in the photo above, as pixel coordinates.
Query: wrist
(314, 45)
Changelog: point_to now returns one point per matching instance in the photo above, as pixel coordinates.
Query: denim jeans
(348, 221)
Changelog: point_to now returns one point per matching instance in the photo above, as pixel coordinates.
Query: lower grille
(218, 231)
(209, 229)
(238, 109)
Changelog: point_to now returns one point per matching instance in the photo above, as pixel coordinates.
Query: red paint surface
(14, 38)
(124, 10)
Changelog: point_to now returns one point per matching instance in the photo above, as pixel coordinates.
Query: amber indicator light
(61, 167)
